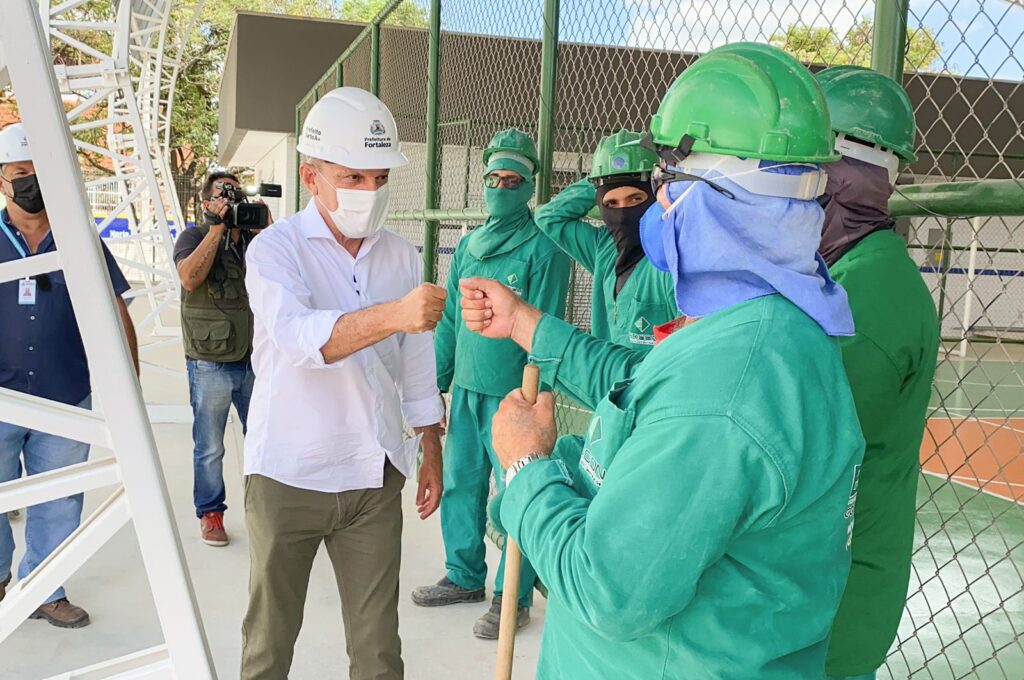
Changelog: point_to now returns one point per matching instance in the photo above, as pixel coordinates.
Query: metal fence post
(548, 103)
(433, 105)
(889, 42)
(375, 58)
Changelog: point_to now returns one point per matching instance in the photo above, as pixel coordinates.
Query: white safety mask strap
(748, 173)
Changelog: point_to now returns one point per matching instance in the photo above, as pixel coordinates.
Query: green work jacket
(535, 269)
(890, 363)
(646, 300)
(704, 532)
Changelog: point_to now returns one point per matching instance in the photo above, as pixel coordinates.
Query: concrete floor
(112, 586)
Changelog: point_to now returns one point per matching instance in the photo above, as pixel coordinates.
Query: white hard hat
(351, 127)
(14, 144)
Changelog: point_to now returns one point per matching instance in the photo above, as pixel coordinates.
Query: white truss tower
(140, 494)
(129, 94)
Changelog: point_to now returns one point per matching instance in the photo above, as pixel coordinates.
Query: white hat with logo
(351, 127)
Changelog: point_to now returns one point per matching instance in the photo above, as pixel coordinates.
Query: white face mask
(360, 214)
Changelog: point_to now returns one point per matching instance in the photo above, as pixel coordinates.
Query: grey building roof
(490, 83)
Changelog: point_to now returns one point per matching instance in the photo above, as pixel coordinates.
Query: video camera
(243, 214)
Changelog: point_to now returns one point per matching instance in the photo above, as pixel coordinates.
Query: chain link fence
(607, 66)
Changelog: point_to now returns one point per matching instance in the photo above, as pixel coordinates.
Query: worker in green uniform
(477, 372)
(703, 532)
(629, 296)
(890, 361)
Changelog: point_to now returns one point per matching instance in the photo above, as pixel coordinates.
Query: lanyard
(13, 239)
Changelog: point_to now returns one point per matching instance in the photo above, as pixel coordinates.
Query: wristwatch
(518, 465)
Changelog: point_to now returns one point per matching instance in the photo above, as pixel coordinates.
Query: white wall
(278, 167)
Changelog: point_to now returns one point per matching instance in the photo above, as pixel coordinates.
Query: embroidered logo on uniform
(592, 467)
(644, 337)
(377, 128)
(512, 279)
(594, 433)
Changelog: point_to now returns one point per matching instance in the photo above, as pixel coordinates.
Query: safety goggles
(493, 181)
(661, 176)
(681, 164)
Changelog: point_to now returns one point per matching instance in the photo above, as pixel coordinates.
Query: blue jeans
(48, 524)
(213, 386)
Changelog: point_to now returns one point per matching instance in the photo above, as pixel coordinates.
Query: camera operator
(216, 325)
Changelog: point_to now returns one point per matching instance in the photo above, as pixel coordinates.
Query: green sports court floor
(965, 608)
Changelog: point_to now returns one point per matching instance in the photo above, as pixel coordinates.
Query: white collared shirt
(328, 427)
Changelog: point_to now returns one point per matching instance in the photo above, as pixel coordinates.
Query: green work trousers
(469, 460)
(363, 533)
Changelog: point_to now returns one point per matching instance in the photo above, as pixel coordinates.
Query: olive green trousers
(362, 530)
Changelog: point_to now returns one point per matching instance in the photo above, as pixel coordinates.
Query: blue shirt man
(41, 354)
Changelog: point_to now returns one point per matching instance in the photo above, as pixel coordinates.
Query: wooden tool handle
(531, 382)
(513, 564)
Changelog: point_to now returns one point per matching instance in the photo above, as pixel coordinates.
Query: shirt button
(31, 372)
(32, 318)
(30, 348)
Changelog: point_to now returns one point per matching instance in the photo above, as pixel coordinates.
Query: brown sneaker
(62, 614)
(3, 588)
(212, 526)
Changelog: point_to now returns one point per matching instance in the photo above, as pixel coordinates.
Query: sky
(978, 39)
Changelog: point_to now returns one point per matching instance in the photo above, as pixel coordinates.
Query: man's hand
(218, 208)
(428, 494)
(520, 428)
(494, 311)
(421, 308)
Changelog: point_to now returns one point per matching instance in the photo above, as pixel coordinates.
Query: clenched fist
(494, 311)
(421, 308)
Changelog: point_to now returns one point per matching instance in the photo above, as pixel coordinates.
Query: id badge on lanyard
(27, 292)
(27, 286)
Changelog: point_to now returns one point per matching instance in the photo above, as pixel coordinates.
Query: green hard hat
(869, 105)
(747, 100)
(620, 154)
(515, 142)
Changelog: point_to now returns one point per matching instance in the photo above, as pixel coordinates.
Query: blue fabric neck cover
(721, 252)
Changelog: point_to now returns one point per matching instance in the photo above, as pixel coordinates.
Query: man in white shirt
(342, 350)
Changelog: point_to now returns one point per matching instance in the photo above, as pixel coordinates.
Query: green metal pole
(433, 106)
(375, 58)
(548, 105)
(988, 198)
(889, 42)
(339, 75)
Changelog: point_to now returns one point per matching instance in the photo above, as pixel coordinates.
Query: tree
(195, 116)
(409, 13)
(824, 46)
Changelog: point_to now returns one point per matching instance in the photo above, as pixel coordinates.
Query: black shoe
(486, 627)
(444, 593)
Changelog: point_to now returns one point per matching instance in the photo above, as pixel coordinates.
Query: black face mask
(27, 194)
(624, 226)
(856, 203)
